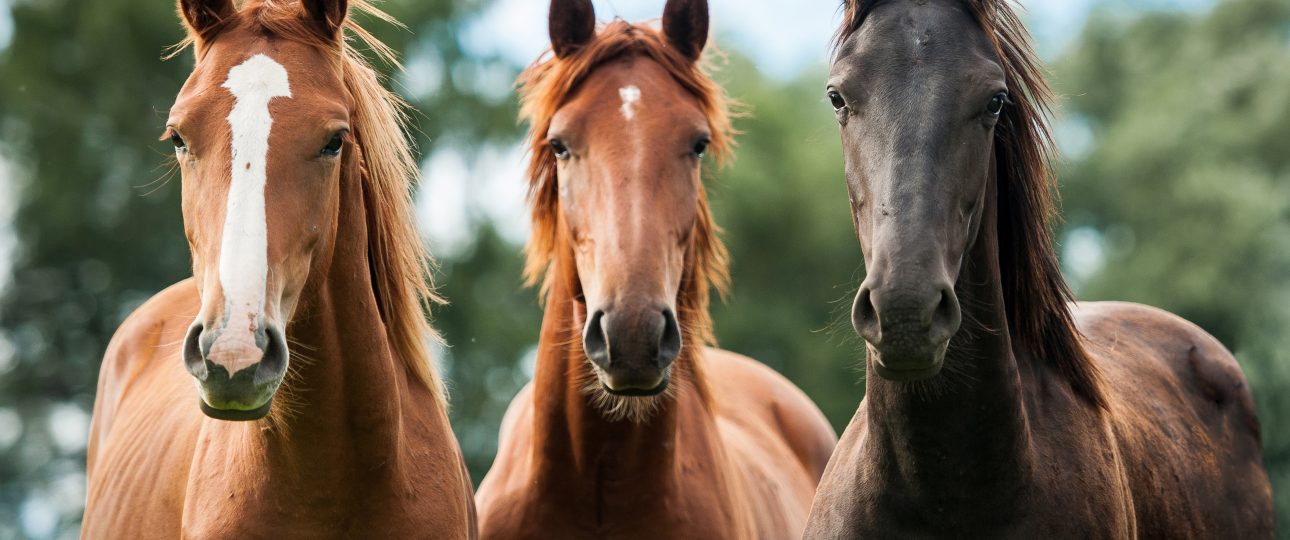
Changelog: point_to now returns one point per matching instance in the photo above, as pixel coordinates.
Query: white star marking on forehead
(631, 96)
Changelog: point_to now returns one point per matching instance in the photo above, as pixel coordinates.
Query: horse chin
(638, 392)
(636, 405)
(235, 404)
(634, 383)
(237, 415)
(908, 368)
(907, 375)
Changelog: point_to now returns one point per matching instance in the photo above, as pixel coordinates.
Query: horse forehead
(638, 81)
(259, 77)
(903, 36)
(238, 60)
(293, 99)
(638, 96)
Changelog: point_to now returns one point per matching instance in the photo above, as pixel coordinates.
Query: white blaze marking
(244, 248)
(631, 96)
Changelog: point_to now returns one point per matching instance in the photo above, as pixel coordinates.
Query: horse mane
(1036, 296)
(547, 84)
(400, 264)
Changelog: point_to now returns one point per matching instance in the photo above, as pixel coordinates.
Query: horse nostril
(194, 354)
(669, 343)
(946, 316)
(273, 365)
(864, 317)
(594, 342)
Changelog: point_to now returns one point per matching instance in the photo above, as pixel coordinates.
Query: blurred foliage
(491, 326)
(1184, 178)
(1178, 170)
(795, 261)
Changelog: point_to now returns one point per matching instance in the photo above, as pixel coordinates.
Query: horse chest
(1072, 493)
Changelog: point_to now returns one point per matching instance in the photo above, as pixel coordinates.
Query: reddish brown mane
(400, 263)
(1034, 289)
(547, 84)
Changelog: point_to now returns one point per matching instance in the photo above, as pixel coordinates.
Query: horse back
(502, 495)
(775, 435)
(141, 433)
(1184, 423)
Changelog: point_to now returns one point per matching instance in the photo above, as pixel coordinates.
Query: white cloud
(6, 24)
(459, 192)
(69, 426)
(441, 203)
(8, 242)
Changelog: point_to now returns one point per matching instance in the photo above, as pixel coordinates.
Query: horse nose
(669, 344)
(594, 342)
(194, 352)
(905, 317)
(237, 378)
(653, 338)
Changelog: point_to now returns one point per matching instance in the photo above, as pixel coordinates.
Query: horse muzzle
(237, 376)
(908, 328)
(632, 351)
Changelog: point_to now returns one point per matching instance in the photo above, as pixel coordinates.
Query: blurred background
(1174, 123)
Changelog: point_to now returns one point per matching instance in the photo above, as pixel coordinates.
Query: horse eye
(995, 107)
(561, 151)
(178, 141)
(333, 146)
(836, 99)
(701, 147)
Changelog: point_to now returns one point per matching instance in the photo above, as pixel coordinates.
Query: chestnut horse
(632, 428)
(309, 285)
(993, 408)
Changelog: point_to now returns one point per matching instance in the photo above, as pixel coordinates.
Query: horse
(318, 412)
(994, 407)
(634, 426)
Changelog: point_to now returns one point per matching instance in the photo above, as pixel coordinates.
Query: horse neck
(963, 433)
(579, 441)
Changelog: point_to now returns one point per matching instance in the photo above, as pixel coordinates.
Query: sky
(782, 43)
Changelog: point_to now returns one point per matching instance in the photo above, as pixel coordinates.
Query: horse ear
(327, 15)
(685, 23)
(202, 15)
(572, 24)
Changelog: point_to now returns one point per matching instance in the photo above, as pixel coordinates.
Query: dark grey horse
(995, 408)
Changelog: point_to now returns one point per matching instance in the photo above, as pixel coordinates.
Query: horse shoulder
(841, 494)
(152, 328)
(1175, 392)
(131, 482)
(744, 386)
(509, 473)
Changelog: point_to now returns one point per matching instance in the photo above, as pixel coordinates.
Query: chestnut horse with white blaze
(994, 408)
(632, 427)
(317, 412)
